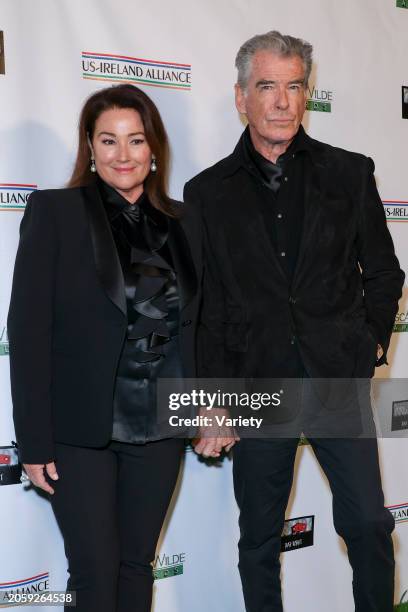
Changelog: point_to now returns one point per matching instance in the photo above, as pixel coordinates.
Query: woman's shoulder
(55, 200)
(183, 210)
(177, 206)
(61, 193)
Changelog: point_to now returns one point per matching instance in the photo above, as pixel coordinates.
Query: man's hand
(35, 473)
(213, 438)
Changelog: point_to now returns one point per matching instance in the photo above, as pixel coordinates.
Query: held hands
(213, 438)
(35, 473)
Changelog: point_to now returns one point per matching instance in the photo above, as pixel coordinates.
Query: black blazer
(344, 294)
(67, 319)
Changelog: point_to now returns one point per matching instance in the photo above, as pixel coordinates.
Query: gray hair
(279, 44)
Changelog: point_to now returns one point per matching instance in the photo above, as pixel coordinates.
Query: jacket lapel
(106, 258)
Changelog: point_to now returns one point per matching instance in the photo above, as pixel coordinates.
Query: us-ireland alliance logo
(32, 585)
(14, 196)
(396, 210)
(399, 512)
(125, 69)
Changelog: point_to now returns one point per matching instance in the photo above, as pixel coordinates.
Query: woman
(103, 303)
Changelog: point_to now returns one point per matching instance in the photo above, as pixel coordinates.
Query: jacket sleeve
(30, 323)
(382, 277)
(211, 357)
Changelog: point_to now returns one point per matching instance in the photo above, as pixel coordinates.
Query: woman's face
(122, 155)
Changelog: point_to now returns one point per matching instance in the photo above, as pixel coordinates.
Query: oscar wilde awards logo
(401, 322)
(125, 69)
(167, 566)
(14, 196)
(403, 604)
(319, 100)
(404, 99)
(10, 467)
(399, 512)
(4, 343)
(34, 584)
(396, 210)
(399, 420)
(297, 533)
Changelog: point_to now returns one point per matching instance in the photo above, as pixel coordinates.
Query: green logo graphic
(322, 107)
(168, 572)
(402, 4)
(4, 345)
(168, 566)
(320, 100)
(401, 321)
(402, 606)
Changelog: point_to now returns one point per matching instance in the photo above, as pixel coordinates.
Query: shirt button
(285, 178)
(187, 322)
(292, 340)
(283, 254)
(279, 215)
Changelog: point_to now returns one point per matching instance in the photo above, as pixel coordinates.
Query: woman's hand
(212, 439)
(212, 447)
(35, 473)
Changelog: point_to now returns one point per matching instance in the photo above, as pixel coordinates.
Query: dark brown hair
(126, 96)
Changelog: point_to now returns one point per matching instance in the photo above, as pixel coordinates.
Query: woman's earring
(93, 167)
(153, 165)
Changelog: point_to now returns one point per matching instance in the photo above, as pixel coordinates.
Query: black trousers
(263, 474)
(110, 505)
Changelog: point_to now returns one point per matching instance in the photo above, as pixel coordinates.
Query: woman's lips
(123, 170)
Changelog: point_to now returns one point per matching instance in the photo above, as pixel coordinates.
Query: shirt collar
(299, 144)
(235, 161)
(114, 202)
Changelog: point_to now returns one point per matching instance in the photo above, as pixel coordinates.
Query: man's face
(275, 99)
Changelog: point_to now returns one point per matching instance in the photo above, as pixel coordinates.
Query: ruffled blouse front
(150, 349)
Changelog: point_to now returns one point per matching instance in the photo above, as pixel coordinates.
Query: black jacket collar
(107, 260)
(236, 160)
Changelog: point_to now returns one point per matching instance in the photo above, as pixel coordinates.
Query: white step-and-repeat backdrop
(53, 55)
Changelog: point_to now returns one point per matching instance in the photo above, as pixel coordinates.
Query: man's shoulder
(339, 156)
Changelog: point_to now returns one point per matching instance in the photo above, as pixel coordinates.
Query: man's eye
(267, 87)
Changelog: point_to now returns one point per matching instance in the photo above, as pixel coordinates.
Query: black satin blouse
(151, 348)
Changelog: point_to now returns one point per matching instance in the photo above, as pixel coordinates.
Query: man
(300, 282)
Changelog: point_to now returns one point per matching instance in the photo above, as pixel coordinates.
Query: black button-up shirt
(282, 189)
